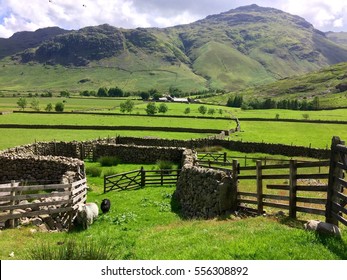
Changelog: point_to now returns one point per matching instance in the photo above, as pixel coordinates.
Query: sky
(18, 15)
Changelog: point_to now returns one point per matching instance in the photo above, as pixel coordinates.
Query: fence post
(292, 188)
(82, 151)
(104, 184)
(162, 177)
(235, 174)
(71, 213)
(143, 177)
(245, 161)
(225, 158)
(334, 173)
(13, 202)
(259, 188)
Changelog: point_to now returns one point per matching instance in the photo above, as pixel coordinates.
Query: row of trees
(147, 95)
(35, 105)
(291, 104)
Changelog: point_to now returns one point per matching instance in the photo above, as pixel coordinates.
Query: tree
(115, 92)
(235, 101)
(163, 108)
(144, 95)
(187, 110)
(151, 109)
(102, 92)
(306, 116)
(202, 110)
(49, 107)
(157, 96)
(65, 94)
(127, 106)
(59, 107)
(22, 103)
(211, 111)
(35, 104)
(315, 103)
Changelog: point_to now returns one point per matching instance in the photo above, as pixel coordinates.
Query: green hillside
(338, 37)
(329, 84)
(243, 47)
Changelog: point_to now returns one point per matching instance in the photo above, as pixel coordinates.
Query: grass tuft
(108, 161)
(72, 250)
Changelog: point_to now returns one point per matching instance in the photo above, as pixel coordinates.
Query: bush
(59, 107)
(165, 164)
(93, 171)
(108, 161)
(151, 109)
(108, 172)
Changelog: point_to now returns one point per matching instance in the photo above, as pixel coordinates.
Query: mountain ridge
(242, 47)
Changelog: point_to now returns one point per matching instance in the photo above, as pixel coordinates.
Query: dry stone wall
(245, 147)
(139, 154)
(204, 193)
(38, 168)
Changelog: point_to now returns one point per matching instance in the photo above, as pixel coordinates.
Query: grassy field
(331, 115)
(15, 137)
(138, 219)
(41, 78)
(297, 134)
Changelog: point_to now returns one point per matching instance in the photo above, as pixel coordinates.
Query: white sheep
(86, 214)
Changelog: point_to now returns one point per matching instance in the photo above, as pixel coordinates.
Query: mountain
(24, 40)
(338, 37)
(243, 47)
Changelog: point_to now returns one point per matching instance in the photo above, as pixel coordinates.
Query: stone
(36, 221)
(322, 227)
(43, 228)
(49, 222)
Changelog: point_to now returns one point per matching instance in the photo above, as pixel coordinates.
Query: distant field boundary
(291, 120)
(190, 117)
(92, 127)
(127, 115)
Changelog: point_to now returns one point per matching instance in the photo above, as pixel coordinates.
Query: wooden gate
(337, 198)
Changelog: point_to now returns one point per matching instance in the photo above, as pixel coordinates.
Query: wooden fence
(42, 200)
(305, 189)
(337, 189)
(140, 178)
(223, 159)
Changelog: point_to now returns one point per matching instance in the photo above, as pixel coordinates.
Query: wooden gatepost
(337, 199)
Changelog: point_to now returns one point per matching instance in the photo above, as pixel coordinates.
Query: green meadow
(139, 218)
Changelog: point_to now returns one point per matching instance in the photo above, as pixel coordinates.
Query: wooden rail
(337, 198)
(140, 178)
(63, 197)
(296, 199)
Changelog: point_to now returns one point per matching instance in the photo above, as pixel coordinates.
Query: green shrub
(108, 172)
(165, 164)
(59, 107)
(73, 250)
(108, 161)
(93, 171)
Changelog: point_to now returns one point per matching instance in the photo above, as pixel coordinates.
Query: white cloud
(338, 23)
(323, 14)
(30, 15)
